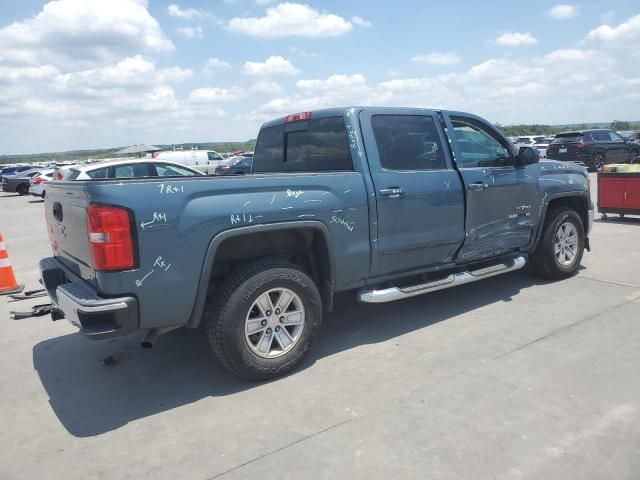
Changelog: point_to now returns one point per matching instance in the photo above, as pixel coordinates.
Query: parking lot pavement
(507, 378)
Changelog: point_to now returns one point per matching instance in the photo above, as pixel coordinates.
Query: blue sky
(97, 73)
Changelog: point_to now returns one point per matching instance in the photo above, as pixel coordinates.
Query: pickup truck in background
(388, 202)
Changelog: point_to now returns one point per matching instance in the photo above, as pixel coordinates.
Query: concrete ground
(507, 378)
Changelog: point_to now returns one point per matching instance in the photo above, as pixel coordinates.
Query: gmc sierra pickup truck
(388, 202)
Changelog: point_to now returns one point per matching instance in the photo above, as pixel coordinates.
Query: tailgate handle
(57, 211)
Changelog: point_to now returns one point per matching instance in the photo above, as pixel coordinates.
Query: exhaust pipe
(152, 334)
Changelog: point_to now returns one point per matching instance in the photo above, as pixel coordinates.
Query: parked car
(18, 183)
(130, 168)
(593, 148)
(204, 160)
(38, 183)
(386, 202)
(528, 140)
(15, 170)
(541, 145)
(235, 166)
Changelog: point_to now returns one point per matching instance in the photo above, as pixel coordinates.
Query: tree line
(520, 130)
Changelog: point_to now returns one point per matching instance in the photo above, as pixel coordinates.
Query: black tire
(22, 190)
(44, 193)
(599, 161)
(225, 317)
(544, 261)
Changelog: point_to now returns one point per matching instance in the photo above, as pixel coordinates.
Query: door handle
(478, 186)
(393, 192)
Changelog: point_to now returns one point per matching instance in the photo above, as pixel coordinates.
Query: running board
(453, 280)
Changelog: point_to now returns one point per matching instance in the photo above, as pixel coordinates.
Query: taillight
(578, 145)
(298, 117)
(110, 237)
(39, 180)
(58, 176)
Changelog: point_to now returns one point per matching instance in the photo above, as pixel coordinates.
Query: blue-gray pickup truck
(388, 202)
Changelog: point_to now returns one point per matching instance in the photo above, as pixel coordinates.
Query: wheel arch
(578, 201)
(284, 240)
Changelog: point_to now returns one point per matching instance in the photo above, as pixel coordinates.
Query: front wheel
(561, 246)
(264, 319)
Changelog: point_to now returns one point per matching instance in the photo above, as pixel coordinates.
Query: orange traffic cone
(8, 282)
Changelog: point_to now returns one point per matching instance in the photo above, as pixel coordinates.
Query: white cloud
(130, 72)
(83, 32)
(268, 87)
(215, 64)
(441, 59)
(291, 19)
(304, 53)
(191, 32)
(21, 74)
(274, 65)
(516, 39)
(361, 22)
(560, 12)
(625, 32)
(215, 94)
(333, 83)
(187, 13)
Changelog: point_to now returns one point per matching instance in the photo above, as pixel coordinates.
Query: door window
(615, 137)
(600, 136)
(408, 142)
(479, 147)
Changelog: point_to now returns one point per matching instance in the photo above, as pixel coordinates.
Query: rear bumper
(96, 317)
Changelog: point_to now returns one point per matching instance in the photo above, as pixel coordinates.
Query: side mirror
(527, 156)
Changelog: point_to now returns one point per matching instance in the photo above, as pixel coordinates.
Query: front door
(501, 199)
(419, 197)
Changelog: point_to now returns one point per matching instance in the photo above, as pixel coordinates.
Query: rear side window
(601, 136)
(99, 173)
(571, 138)
(408, 142)
(131, 171)
(313, 146)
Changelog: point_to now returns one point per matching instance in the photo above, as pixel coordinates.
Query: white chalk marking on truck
(274, 198)
(167, 188)
(158, 217)
(237, 218)
(294, 193)
(160, 263)
(139, 282)
(341, 221)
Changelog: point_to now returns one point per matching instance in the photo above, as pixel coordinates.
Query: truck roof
(339, 111)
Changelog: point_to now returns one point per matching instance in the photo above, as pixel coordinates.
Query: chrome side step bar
(398, 293)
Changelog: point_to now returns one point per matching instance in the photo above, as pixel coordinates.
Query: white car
(528, 140)
(204, 160)
(130, 168)
(542, 145)
(38, 183)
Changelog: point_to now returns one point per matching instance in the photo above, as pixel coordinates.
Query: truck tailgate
(65, 212)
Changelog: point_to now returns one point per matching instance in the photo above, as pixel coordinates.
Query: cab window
(479, 146)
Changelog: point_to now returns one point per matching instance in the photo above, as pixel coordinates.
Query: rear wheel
(263, 319)
(22, 189)
(599, 161)
(561, 246)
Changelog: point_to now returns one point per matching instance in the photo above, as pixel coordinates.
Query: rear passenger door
(419, 197)
(501, 199)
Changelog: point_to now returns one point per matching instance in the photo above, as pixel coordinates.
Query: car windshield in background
(568, 138)
(523, 140)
